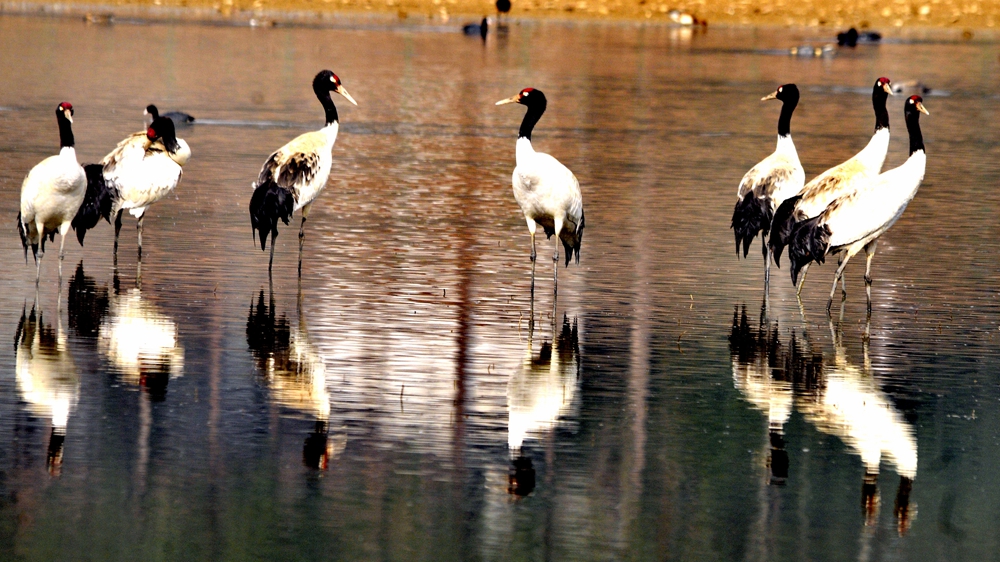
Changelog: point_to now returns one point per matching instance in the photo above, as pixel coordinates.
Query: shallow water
(394, 404)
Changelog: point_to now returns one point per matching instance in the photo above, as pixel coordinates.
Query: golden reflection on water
(838, 397)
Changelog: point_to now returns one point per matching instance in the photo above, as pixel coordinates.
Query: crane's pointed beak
(922, 109)
(772, 96)
(343, 91)
(68, 114)
(888, 89)
(512, 99)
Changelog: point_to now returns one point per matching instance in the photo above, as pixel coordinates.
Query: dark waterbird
(480, 29)
(178, 117)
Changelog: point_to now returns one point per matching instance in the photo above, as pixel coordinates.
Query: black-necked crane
(835, 182)
(178, 117)
(51, 195)
(856, 221)
(295, 174)
(769, 183)
(144, 168)
(547, 192)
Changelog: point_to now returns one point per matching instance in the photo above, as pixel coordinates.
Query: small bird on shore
(51, 195)
(144, 168)
(547, 192)
(295, 174)
(835, 182)
(856, 220)
(481, 29)
(503, 7)
(769, 183)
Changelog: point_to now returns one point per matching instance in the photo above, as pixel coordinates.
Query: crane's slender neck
(66, 139)
(785, 119)
(913, 128)
(328, 106)
(879, 98)
(532, 116)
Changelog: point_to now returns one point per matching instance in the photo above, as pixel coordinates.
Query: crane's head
(885, 85)
(162, 129)
(65, 110)
(151, 111)
(785, 93)
(528, 96)
(914, 104)
(327, 81)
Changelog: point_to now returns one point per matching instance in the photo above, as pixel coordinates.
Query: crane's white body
(844, 178)
(777, 177)
(143, 172)
(313, 153)
(546, 190)
(51, 194)
(863, 216)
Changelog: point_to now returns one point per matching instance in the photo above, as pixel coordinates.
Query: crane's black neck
(912, 117)
(785, 119)
(328, 106)
(534, 113)
(879, 97)
(65, 132)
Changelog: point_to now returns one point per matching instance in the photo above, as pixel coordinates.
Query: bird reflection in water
(47, 378)
(839, 398)
(541, 392)
(294, 372)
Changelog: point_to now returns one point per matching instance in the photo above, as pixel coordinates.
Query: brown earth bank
(883, 15)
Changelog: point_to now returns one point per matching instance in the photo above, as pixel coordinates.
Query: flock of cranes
(841, 211)
(59, 194)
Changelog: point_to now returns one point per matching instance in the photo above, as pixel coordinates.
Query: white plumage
(295, 174)
(855, 221)
(141, 170)
(769, 183)
(51, 195)
(837, 181)
(546, 190)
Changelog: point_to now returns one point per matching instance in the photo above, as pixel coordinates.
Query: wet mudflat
(394, 404)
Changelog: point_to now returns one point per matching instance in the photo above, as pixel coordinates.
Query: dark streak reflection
(295, 373)
(47, 378)
(836, 396)
(541, 392)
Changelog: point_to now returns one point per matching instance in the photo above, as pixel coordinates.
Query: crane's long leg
(555, 262)
(63, 230)
(138, 228)
(869, 254)
(841, 265)
(39, 252)
(531, 230)
(302, 233)
(270, 262)
(118, 229)
(802, 280)
(767, 264)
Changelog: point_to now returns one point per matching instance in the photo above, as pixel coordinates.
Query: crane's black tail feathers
(808, 242)
(782, 224)
(22, 230)
(97, 202)
(269, 203)
(751, 215)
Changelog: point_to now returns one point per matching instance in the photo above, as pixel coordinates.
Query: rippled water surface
(395, 403)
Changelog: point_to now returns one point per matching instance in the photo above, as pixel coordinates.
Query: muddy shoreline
(965, 17)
